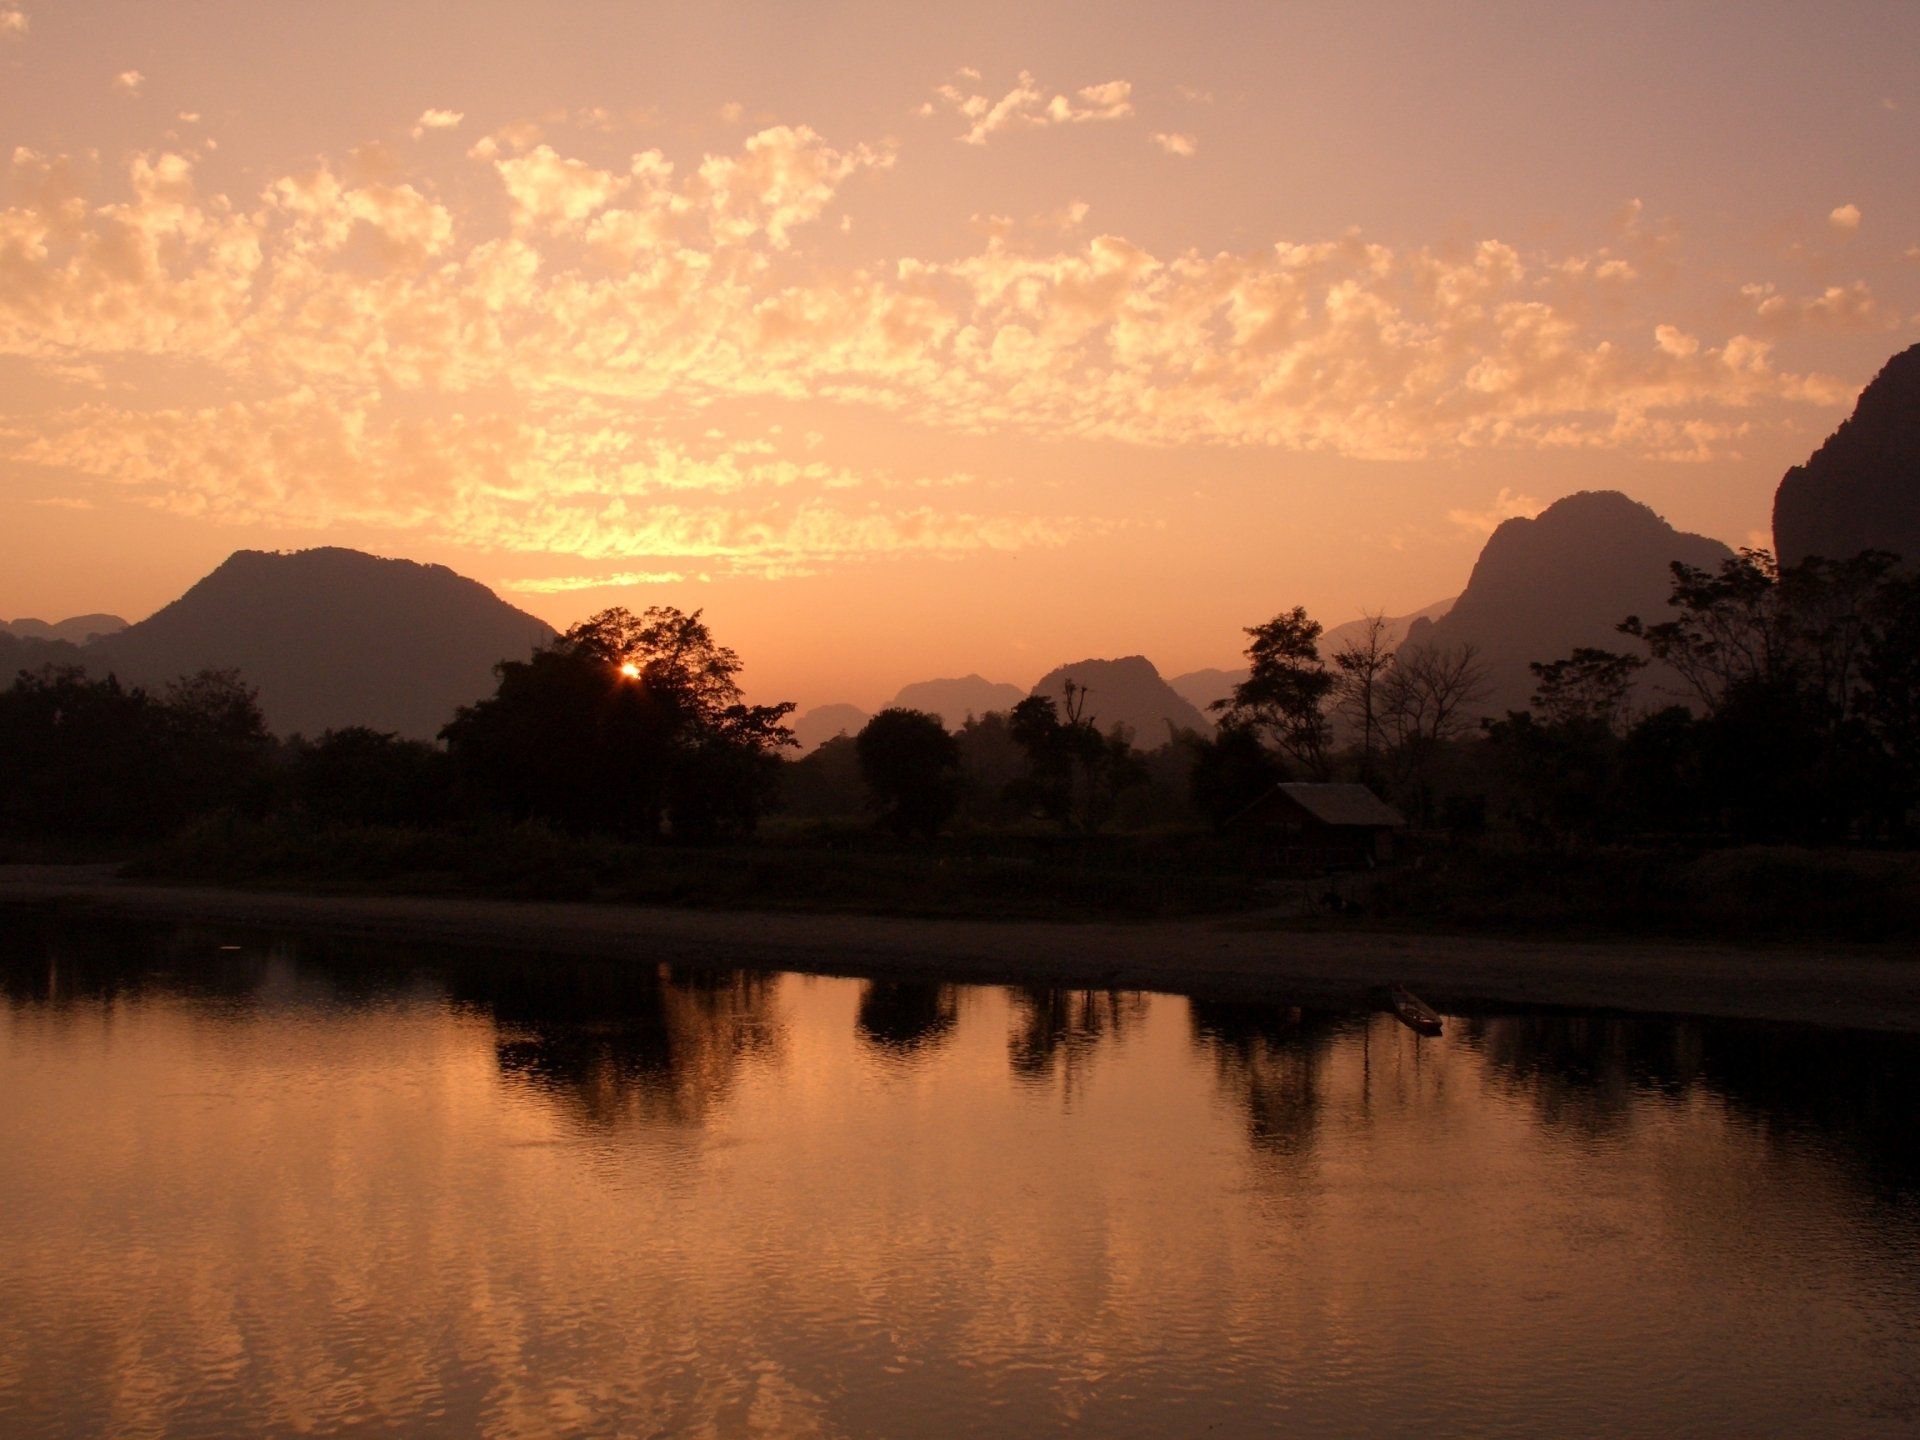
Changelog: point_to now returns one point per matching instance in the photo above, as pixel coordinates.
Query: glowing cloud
(129, 82)
(436, 120)
(1845, 217)
(1175, 144)
(1026, 106)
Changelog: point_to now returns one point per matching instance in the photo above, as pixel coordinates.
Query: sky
(914, 341)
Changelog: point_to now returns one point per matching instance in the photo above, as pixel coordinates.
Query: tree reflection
(906, 1017)
(1855, 1091)
(1269, 1058)
(1057, 1031)
(621, 1044)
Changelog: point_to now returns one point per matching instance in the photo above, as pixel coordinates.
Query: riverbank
(1245, 957)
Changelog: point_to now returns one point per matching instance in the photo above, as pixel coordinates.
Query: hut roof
(1342, 804)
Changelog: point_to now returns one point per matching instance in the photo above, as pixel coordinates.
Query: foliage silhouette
(628, 725)
(911, 766)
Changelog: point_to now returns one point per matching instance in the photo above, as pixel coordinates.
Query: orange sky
(912, 346)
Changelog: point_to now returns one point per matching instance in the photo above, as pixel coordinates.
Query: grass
(1752, 893)
(1746, 893)
(817, 869)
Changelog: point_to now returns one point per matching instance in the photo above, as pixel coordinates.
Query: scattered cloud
(1193, 94)
(129, 82)
(618, 580)
(65, 502)
(437, 120)
(398, 354)
(1507, 505)
(1028, 107)
(1838, 307)
(1175, 144)
(14, 22)
(1845, 217)
(733, 112)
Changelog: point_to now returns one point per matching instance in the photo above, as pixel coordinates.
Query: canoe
(1412, 1011)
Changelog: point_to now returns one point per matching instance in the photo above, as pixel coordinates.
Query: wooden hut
(1323, 824)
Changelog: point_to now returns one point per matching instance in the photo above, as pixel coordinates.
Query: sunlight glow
(630, 670)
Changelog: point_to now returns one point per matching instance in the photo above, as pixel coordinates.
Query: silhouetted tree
(1590, 685)
(624, 724)
(1074, 772)
(911, 766)
(84, 758)
(358, 776)
(1286, 689)
(1231, 771)
(1360, 669)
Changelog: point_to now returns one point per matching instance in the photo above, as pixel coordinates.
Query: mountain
(823, 722)
(1129, 692)
(954, 700)
(77, 631)
(1860, 490)
(1565, 578)
(1202, 687)
(332, 638)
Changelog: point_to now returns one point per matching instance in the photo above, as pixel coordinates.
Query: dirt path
(1225, 958)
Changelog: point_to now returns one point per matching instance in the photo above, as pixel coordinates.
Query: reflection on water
(309, 1189)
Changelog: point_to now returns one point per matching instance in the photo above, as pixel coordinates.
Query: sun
(630, 670)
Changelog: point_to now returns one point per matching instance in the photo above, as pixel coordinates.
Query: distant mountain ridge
(1861, 489)
(1128, 691)
(1565, 578)
(331, 638)
(954, 700)
(75, 631)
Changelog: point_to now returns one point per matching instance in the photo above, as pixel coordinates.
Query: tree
(1427, 701)
(1286, 689)
(1230, 772)
(358, 776)
(627, 724)
(1590, 685)
(1361, 667)
(912, 769)
(1074, 772)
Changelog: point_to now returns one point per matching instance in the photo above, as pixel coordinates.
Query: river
(251, 1185)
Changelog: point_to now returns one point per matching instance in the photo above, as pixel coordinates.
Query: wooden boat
(1412, 1011)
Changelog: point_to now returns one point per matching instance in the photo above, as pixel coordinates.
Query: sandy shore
(1223, 958)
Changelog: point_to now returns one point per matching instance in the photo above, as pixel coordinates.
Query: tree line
(1770, 704)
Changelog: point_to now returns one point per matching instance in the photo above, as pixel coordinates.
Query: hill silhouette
(76, 631)
(1202, 687)
(954, 700)
(1130, 692)
(823, 722)
(1861, 489)
(332, 638)
(1565, 578)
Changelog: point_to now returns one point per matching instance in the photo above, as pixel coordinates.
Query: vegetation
(1770, 795)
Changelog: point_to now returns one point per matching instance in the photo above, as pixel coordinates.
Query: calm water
(282, 1189)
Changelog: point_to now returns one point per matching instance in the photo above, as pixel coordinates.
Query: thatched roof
(1339, 805)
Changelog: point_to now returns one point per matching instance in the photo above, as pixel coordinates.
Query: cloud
(129, 82)
(619, 579)
(1838, 307)
(14, 22)
(1175, 144)
(398, 354)
(436, 120)
(1845, 217)
(1507, 505)
(1027, 107)
(578, 481)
